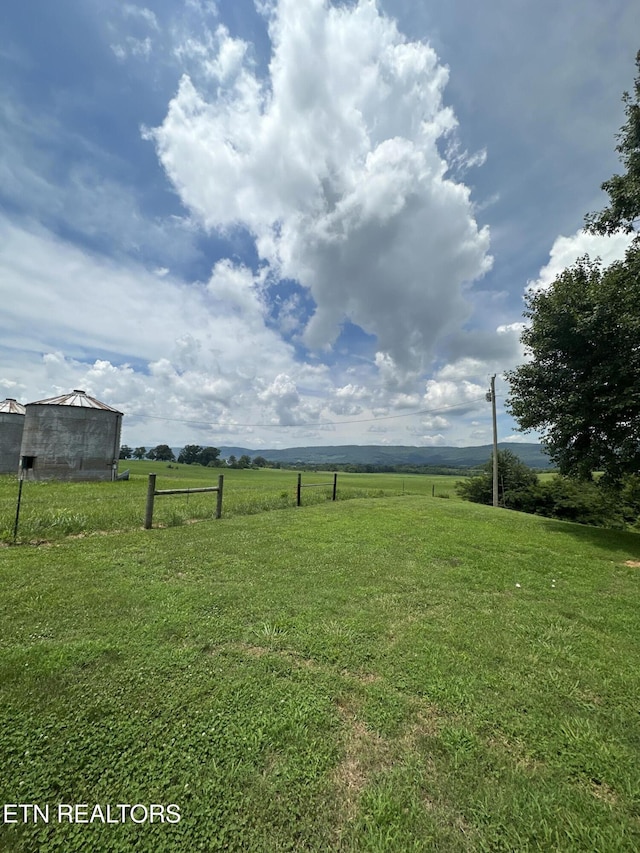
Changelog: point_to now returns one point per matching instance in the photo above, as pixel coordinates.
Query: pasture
(52, 510)
(397, 674)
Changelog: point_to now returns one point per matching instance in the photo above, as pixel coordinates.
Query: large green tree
(161, 453)
(623, 211)
(210, 456)
(190, 454)
(581, 387)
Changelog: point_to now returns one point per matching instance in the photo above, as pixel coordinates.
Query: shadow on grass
(608, 540)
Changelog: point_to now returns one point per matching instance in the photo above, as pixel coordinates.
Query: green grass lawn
(372, 675)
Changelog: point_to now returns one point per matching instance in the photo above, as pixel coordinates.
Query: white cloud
(142, 13)
(133, 47)
(187, 361)
(444, 394)
(464, 368)
(282, 395)
(342, 162)
(566, 251)
(510, 328)
(436, 422)
(333, 164)
(437, 440)
(215, 56)
(136, 41)
(167, 345)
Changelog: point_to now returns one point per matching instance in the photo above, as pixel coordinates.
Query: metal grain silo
(11, 426)
(71, 437)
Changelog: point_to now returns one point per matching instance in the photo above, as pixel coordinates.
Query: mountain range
(531, 454)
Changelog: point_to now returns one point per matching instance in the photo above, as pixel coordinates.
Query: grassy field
(394, 674)
(52, 510)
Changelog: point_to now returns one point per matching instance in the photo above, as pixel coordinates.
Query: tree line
(194, 454)
(567, 498)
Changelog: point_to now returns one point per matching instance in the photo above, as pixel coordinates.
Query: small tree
(125, 452)
(513, 477)
(244, 461)
(139, 452)
(259, 462)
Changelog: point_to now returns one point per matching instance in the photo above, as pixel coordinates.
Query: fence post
(298, 496)
(15, 526)
(151, 493)
(219, 496)
(335, 486)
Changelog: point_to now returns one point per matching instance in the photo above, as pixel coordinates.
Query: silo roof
(75, 398)
(12, 407)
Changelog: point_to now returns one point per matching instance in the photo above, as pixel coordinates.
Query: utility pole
(491, 397)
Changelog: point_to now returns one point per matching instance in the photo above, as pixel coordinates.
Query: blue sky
(291, 222)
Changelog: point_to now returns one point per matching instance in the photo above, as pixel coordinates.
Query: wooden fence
(152, 492)
(312, 485)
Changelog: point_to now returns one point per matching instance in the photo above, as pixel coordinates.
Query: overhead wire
(235, 424)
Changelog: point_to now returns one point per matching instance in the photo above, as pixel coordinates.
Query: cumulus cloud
(463, 369)
(332, 162)
(444, 394)
(566, 251)
(427, 439)
(165, 345)
(282, 393)
(348, 398)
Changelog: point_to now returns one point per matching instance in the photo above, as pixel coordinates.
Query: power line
(313, 423)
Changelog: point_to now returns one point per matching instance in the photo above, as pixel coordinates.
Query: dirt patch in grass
(365, 754)
(634, 564)
(363, 678)
(298, 660)
(426, 723)
(602, 791)
(515, 751)
(245, 648)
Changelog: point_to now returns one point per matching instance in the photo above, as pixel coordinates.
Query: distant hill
(373, 454)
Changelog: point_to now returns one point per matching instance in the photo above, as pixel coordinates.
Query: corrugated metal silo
(11, 426)
(71, 437)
